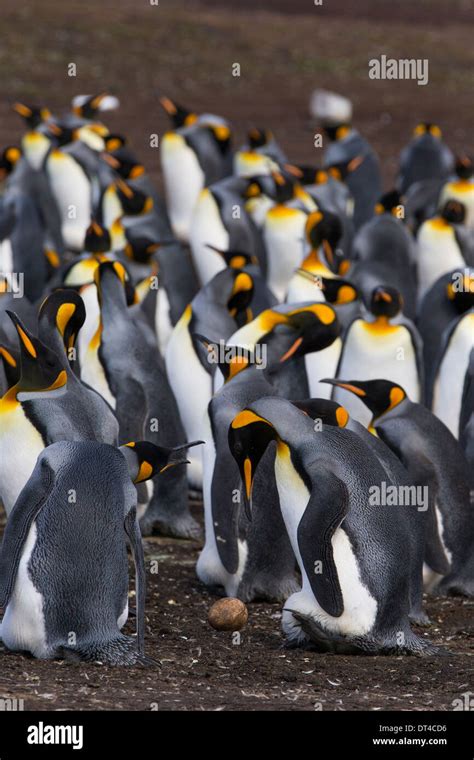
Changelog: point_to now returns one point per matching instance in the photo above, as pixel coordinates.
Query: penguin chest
(322, 364)
(23, 624)
(20, 445)
(300, 289)
(184, 180)
(438, 253)
(163, 325)
(93, 373)
(207, 227)
(6, 257)
(111, 207)
(72, 191)
(449, 383)
(283, 235)
(360, 608)
(370, 353)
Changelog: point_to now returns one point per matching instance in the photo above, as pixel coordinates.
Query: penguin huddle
(314, 333)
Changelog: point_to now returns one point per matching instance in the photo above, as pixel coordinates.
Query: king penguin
(439, 247)
(462, 188)
(426, 157)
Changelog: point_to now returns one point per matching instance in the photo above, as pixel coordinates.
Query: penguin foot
(419, 618)
(267, 589)
(454, 586)
(184, 526)
(119, 650)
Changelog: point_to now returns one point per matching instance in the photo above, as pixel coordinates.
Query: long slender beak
(346, 385)
(184, 446)
(214, 248)
(307, 275)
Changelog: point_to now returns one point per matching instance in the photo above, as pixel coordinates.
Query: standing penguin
(383, 346)
(439, 247)
(435, 460)
(426, 157)
(63, 562)
(72, 190)
(216, 311)
(353, 556)
(462, 188)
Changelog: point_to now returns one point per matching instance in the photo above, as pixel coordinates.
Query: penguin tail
(119, 650)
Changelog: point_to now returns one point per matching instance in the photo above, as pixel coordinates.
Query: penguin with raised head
(64, 576)
(214, 222)
(434, 459)
(461, 188)
(216, 311)
(353, 556)
(439, 247)
(236, 553)
(383, 346)
(139, 393)
(425, 158)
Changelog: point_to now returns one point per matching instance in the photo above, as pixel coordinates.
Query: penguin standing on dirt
(236, 554)
(216, 311)
(439, 247)
(353, 556)
(384, 346)
(434, 459)
(63, 563)
(425, 158)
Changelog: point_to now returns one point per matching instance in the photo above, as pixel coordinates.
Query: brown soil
(286, 48)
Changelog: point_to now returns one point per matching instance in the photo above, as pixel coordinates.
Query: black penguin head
(325, 228)
(311, 175)
(284, 186)
(379, 396)
(234, 259)
(460, 290)
(326, 411)
(336, 290)
(221, 135)
(337, 132)
(97, 238)
(113, 281)
(124, 163)
(249, 436)
(146, 460)
(258, 138)
(464, 167)
(299, 330)
(33, 115)
(385, 301)
(8, 160)
(240, 297)
(113, 141)
(88, 106)
(234, 359)
(133, 200)
(41, 371)
(180, 116)
(453, 212)
(427, 128)
(62, 311)
(390, 203)
(10, 358)
(61, 134)
(341, 171)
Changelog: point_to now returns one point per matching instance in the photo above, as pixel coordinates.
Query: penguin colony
(302, 341)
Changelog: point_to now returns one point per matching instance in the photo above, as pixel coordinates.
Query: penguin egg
(228, 615)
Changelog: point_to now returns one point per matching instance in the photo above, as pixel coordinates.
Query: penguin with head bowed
(426, 158)
(353, 556)
(63, 563)
(261, 143)
(434, 460)
(306, 285)
(262, 297)
(236, 553)
(88, 107)
(218, 309)
(139, 392)
(381, 345)
(461, 188)
(314, 320)
(451, 296)
(214, 222)
(193, 157)
(439, 246)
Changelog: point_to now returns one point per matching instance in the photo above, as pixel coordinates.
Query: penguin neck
(52, 339)
(380, 325)
(9, 401)
(314, 264)
(113, 304)
(389, 413)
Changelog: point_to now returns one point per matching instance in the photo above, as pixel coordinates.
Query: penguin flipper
(325, 511)
(25, 510)
(134, 536)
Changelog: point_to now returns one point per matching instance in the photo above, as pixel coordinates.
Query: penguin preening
(354, 595)
(434, 460)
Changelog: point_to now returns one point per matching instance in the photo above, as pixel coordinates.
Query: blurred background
(185, 49)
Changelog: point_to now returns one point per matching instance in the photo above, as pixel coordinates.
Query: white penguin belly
(6, 257)
(360, 608)
(20, 446)
(300, 290)
(207, 227)
(163, 326)
(369, 354)
(192, 387)
(284, 241)
(89, 328)
(184, 180)
(23, 626)
(322, 364)
(93, 374)
(209, 568)
(449, 383)
(72, 191)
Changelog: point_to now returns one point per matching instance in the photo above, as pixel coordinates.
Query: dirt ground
(186, 49)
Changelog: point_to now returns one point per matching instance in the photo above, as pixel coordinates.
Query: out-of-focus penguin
(461, 189)
(384, 346)
(466, 423)
(439, 248)
(435, 460)
(353, 556)
(426, 157)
